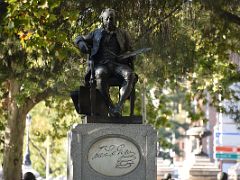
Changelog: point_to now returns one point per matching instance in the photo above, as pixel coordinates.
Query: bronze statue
(104, 46)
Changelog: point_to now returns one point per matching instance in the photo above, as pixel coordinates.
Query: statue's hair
(107, 10)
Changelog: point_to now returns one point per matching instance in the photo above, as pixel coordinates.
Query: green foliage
(167, 138)
(53, 124)
(37, 51)
(190, 40)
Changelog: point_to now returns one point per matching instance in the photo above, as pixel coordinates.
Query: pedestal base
(112, 152)
(203, 168)
(114, 120)
(163, 169)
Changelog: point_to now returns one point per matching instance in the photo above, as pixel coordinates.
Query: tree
(49, 129)
(37, 61)
(190, 42)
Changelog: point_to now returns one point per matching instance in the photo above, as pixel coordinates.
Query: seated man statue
(104, 46)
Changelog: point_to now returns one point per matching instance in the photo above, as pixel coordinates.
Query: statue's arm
(84, 43)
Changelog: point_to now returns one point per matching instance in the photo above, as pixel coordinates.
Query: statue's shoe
(111, 112)
(115, 112)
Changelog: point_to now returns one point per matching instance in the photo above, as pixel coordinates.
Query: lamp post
(27, 163)
(27, 160)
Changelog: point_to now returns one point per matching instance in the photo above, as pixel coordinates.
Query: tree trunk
(13, 146)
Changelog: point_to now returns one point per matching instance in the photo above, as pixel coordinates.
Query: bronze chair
(112, 82)
(87, 97)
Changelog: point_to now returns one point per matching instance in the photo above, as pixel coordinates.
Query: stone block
(203, 168)
(114, 120)
(112, 152)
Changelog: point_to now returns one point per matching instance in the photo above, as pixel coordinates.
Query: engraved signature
(125, 157)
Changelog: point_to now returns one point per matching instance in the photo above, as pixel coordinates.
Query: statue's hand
(83, 47)
(81, 44)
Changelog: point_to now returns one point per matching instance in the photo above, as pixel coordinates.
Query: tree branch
(223, 14)
(32, 101)
(3, 9)
(227, 16)
(160, 20)
(39, 151)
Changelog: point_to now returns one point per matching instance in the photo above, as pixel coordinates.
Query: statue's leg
(102, 74)
(128, 79)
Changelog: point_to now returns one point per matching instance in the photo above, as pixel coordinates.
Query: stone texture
(84, 136)
(203, 168)
(114, 120)
(163, 168)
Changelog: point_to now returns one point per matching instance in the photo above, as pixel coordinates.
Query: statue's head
(108, 17)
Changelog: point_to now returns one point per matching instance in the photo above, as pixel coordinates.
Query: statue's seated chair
(88, 100)
(117, 82)
(113, 81)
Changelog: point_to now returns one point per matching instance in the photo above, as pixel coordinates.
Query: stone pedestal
(163, 168)
(203, 168)
(114, 120)
(112, 152)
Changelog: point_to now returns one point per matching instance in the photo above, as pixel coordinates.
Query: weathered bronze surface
(109, 58)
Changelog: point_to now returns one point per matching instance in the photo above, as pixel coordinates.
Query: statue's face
(109, 20)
